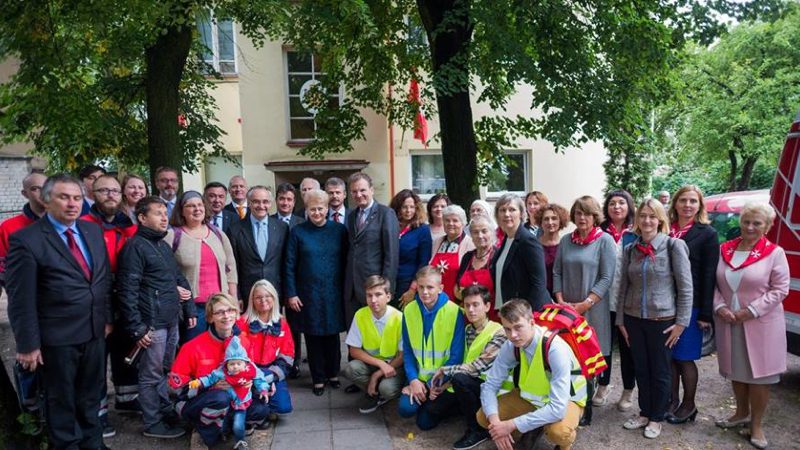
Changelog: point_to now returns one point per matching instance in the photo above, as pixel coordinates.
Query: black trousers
(125, 377)
(625, 359)
(653, 362)
(73, 375)
(468, 394)
(324, 357)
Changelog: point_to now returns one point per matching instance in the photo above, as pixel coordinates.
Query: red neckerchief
(761, 250)
(646, 249)
(591, 237)
(405, 230)
(679, 233)
(616, 234)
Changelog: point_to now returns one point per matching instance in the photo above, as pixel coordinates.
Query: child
(239, 373)
(374, 340)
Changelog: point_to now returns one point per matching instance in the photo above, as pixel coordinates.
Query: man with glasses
(117, 229)
(152, 291)
(167, 183)
(31, 212)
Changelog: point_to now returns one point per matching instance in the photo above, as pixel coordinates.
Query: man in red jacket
(31, 212)
(117, 229)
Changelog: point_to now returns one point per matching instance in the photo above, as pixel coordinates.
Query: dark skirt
(689, 346)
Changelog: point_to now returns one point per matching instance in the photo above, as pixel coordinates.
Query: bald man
(31, 212)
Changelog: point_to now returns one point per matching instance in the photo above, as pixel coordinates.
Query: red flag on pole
(420, 123)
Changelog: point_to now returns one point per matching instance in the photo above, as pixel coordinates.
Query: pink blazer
(764, 285)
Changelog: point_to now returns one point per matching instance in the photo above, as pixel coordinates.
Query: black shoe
(675, 420)
(163, 431)
(352, 389)
(318, 391)
(109, 431)
(371, 404)
(128, 407)
(471, 439)
(294, 373)
(334, 384)
(585, 421)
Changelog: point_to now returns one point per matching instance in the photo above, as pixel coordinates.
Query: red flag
(182, 121)
(420, 123)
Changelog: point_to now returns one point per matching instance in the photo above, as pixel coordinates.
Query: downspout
(391, 151)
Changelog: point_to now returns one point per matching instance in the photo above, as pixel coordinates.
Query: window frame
(287, 95)
(215, 56)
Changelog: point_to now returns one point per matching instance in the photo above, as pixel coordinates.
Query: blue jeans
(281, 401)
(239, 417)
(153, 364)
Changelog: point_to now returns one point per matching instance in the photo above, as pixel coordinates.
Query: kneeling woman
(206, 410)
(271, 346)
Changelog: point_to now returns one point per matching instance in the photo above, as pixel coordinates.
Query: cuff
(520, 424)
(753, 310)
(720, 306)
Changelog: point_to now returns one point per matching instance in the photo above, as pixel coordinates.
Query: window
(219, 41)
(427, 174)
(304, 71)
(513, 177)
(220, 169)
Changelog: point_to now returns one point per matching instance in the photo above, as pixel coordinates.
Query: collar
(121, 220)
(29, 212)
(369, 207)
(341, 210)
(531, 348)
(150, 233)
(171, 202)
(60, 227)
(263, 221)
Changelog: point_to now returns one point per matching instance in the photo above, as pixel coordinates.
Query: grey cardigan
(656, 289)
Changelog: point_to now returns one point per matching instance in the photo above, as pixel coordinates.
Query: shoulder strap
(517, 367)
(176, 238)
(216, 231)
(548, 339)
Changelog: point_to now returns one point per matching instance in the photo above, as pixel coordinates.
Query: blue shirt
(61, 229)
(254, 222)
(428, 316)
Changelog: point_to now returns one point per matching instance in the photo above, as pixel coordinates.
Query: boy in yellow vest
(484, 339)
(375, 343)
(433, 337)
(550, 392)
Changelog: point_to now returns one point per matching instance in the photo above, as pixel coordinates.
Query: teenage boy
(375, 340)
(550, 395)
(433, 337)
(484, 339)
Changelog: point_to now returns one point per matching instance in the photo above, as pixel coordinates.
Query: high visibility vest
(433, 352)
(380, 345)
(476, 348)
(534, 380)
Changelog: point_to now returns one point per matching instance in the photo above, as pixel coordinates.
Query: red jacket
(275, 352)
(199, 357)
(115, 234)
(9, 227)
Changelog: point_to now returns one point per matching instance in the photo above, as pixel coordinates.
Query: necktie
(336, 217)
(362, 219)
(218, 222)
(261, 240)
(77, 254)
(240, 209)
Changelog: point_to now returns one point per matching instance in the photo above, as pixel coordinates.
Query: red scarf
(646, 249)
(761, 250)
(677, 233)
(591, 237)
(405, 230)
(616, 234)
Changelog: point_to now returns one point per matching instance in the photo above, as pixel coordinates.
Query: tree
(738, 98)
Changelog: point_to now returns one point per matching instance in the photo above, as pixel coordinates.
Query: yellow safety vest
(433, 352)
(534, 380)
(476, 348)
(380, 345)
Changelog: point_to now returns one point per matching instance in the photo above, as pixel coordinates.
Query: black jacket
(249, 264)
(703, 255)
(50, 302)
(524, 274)
(147, 280)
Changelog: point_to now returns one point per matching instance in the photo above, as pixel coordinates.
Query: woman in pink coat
(752, 281)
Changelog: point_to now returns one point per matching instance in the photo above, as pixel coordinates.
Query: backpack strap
(517, 368)
(176, 238)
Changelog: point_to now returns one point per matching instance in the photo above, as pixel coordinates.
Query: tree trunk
(747, 173)
(732, 175)
(459, 147)
(165, 61)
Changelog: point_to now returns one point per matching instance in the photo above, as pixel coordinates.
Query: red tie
(336, 216)
(77, 254)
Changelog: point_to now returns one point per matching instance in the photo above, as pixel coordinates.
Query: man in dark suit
(258, 244)
(374, 243)
(215, 194)
(237, 187)
(337, 192)
(286, 198)
(167, 183)
(59, 306)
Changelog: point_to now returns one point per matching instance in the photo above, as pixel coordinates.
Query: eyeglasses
(223, 312)
(107, 191)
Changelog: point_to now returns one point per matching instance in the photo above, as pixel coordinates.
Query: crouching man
(549, 390)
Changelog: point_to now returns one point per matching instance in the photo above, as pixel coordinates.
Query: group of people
(201, 305)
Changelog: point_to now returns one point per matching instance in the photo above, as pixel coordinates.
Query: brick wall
(12, 170)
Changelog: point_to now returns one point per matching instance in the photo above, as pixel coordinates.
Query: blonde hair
(316, 195)
(702, 214)
(658, 209)
(764, 209)
(251, 314)
(219, 297)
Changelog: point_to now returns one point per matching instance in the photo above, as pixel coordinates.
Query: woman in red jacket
(270, 343)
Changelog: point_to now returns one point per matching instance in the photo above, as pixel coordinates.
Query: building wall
(13, 169)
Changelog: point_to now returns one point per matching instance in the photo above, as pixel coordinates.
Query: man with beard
(152, 291)
(31, 212)
(88, 175)
(215, 194)
(167, 182)
(117, 229)
(337, 191)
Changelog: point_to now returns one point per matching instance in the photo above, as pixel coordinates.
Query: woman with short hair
(552, 218)
(752, 282)
(474, 266)
(451, 248)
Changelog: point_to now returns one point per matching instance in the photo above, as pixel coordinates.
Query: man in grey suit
(374, 242)
(258, 244)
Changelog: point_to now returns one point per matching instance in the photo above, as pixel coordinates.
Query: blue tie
(261, 240)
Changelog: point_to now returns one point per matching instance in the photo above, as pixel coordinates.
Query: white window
(218, 36)
(427, 174)
(304, 71)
